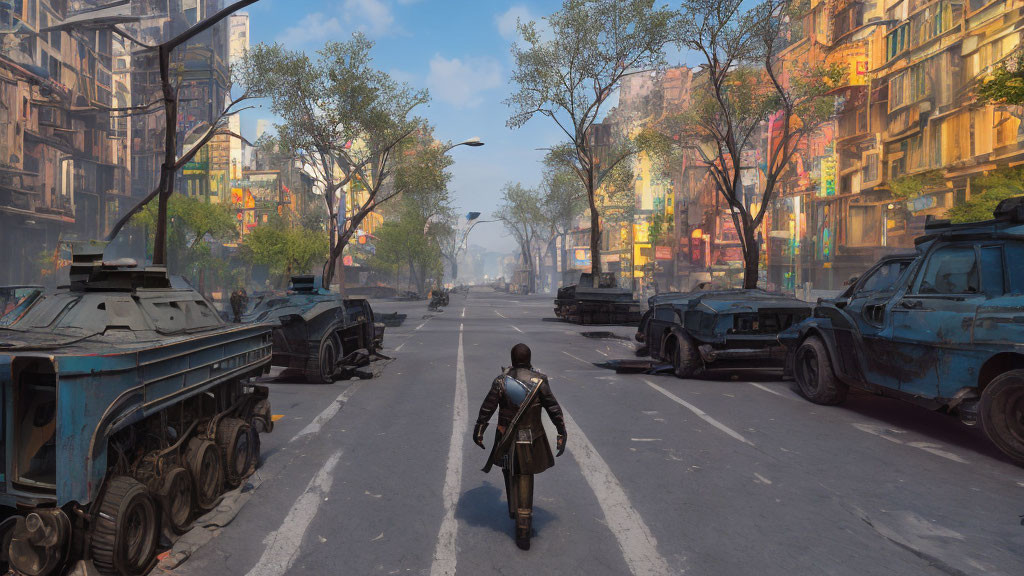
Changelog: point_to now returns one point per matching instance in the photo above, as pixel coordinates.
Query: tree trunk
(170, 153)
(751, 257)
(595, 240)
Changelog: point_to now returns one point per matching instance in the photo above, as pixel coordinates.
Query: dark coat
(525, 458)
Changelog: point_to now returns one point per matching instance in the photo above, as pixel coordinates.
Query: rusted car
(318, 332)
(722, 328)
(583, 303)
(943, 328)
(127, 412)
(642, 331)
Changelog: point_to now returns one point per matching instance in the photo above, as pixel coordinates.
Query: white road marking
(423, 324)
(282, 545)
(576, 357)
(516, 328)
(400, 345)
(328, 413)
(703, 415)
(762, 478)
(767, 389)
(500, 314)
(601, 353)
(445, 553)
(639, 547)
(883, 432)
(463, 312)
(646, 439)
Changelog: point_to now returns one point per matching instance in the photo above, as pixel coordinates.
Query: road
(731, 475)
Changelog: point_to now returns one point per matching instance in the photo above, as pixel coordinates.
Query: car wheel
(1001, 412)
(814, 374)
(320, 368)
(686, 361)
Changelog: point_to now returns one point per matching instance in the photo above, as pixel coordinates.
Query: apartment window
(1005, 128)
(896, 42)
(897, 93)
(935, 145)
(871, 167)
(865, 226)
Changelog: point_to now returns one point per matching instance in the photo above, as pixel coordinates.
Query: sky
(460, 51)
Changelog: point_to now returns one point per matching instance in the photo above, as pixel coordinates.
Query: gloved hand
(560, 444)
(478, 435)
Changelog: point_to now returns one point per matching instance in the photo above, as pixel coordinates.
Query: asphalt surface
(736, 474)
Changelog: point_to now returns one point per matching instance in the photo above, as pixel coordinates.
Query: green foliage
(986, 193)
(190, 222)
(284, 249)
(913, 185)
(1005, 85)
(406, 242)
(564, 198)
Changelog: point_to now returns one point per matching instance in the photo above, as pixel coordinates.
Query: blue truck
(942, 327)
(127, 411)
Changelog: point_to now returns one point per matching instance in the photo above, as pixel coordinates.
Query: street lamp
(474, 142)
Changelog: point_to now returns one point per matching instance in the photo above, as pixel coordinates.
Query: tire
(320, 366)
(204, 464)
(814, 374)
(126, 531)
(234, 440)
(1001, 412)
(254, 460)
(175, 496)
(686, 362)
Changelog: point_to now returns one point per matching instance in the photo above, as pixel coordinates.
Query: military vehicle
(942, 328)
(317, 331)
(582, 303)
(127, 412)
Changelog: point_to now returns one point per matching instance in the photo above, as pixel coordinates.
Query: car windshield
(885, 276)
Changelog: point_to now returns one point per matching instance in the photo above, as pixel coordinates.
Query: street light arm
(473, 142)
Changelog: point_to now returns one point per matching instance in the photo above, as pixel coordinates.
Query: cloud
(372, 17)
(314, 28)
(506, 21)
(462, 82)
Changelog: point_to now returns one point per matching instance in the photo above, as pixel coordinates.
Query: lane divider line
(282, 545)
(768, 390)
(700, 413)
(516, 328)
(638, 545)
(577, 357)
(500, 314)
(463, 312)
(328, 413)
(400, 346)
(446, 552)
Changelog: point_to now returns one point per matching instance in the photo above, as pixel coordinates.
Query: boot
(523, 528)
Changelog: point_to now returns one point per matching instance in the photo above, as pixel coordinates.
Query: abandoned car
(127, 413)
(721, 328)
(583, 303)
(318, 332)
(944, 329)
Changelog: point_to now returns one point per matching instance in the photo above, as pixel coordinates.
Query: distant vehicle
(713, 328)
(943, 328)
(582, 303)
(126, 413)
(317, 331)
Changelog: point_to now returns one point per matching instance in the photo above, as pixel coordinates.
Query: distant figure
(520, 446)
(239, 300)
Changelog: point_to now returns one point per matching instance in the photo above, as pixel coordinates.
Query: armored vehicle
(721, 328)
(126, 413)
(582, 303)
(943, 327)
(645, 320)
(317, 331)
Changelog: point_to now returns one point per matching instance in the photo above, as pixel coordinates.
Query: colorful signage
(662, 252)
(580, 257)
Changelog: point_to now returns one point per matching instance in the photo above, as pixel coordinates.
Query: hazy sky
(459, 50)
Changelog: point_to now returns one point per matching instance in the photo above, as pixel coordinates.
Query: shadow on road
(485, 507)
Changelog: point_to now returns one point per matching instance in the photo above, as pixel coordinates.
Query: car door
(863, 329)
(933, 321)
(663, 318)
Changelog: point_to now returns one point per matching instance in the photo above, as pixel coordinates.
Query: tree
(284, 249)
(172, 163)
(986, 193)
(741, 85)
(1005, 85)
(344, 119)
(194, 223)
(407, 241)
(567, 75)
(564, 199)
(524, 218)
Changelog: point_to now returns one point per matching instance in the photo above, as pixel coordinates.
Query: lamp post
(473, 142)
